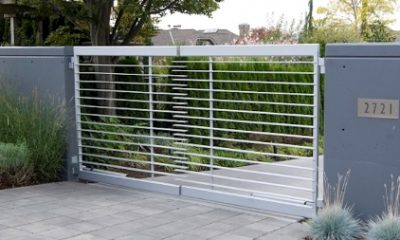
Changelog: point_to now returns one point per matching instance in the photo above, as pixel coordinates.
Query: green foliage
(384, 229)
(232, 119)
(335, 223)
(110, 141)
(15, 167)
(379, 32)
(63, 36)
(353, 21)
(325, 32)
(40, 125)
(388, 225)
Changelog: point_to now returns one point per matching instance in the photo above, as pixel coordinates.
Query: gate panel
(252, 131)
(124, 108)
(236, 124)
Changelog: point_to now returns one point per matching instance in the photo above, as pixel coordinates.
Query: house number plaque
(378, 108)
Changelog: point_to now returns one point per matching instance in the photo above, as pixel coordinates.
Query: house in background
(178, 36)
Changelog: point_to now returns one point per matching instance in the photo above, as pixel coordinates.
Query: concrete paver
(77, 211)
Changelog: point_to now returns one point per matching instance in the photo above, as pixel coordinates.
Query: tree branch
(138, 22)
(168, 6)
(117, 22)
(71, 19)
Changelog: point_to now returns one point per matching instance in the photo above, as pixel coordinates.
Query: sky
(257, 13)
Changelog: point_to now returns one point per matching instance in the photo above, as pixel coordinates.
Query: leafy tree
(128, 17)
(331, 32)
(379, 32)
(359, 13)
(308, 25)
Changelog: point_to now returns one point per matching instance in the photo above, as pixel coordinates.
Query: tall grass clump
(387, 227)
(15, 167)
(38, 122)
(335, 221)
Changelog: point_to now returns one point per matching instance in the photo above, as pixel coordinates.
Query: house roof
(177, 36)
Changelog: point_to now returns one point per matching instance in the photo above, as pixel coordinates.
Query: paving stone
(294, 231)
(118, 230)
(186, 236)
(2, 227)
(84, 226)
(77, 211)
(233, 237)
(37, 227)
(11, 234)
(86, 236)
(111, 220)
(60, 233)
(248, 232)
(243, 219)
(213, 229)
(136, 236)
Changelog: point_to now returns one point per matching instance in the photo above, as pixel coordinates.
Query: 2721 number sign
(378, 108)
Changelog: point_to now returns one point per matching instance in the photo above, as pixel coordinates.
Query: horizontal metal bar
(132, 100)
(280, 207)
(135, 83)
(244, 180)
(129, 65)
(242, 170)
(129, 74)
(132, 109)
(131, 135)
(246, 82)
(126, 51)
(147, 184)
(131, 152)
(283, 197)
(132, 126)
(249, 51)
(243, 141)
(246, 111)
(135, 92)
(133, 160)
(246, 102)
(244, 121)
(131, 118)
(271, 164)
(245, 62)
(244, 151)
(245, 72)
(126, 168)
(245, 131)
(132, 143)
(245, 92)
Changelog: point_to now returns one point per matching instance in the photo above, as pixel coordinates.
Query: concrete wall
(47, 71)
(368, 146)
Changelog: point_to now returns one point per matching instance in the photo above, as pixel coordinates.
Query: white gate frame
(309, 50)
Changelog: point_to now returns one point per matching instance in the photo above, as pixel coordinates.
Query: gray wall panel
(367, 146)
(47, 71)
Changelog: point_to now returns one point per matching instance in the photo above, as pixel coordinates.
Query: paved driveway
(92, 211)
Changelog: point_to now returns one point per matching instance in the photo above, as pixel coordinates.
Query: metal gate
(234, 124)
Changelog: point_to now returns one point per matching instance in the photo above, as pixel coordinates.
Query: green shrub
(384, 229)
(244, 70)
(15, 166)
(335, 223)
(40, 124)
(387, 227)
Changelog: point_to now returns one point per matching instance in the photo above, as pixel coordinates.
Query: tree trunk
(364, 17)
(100, 13)
(39, 34)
